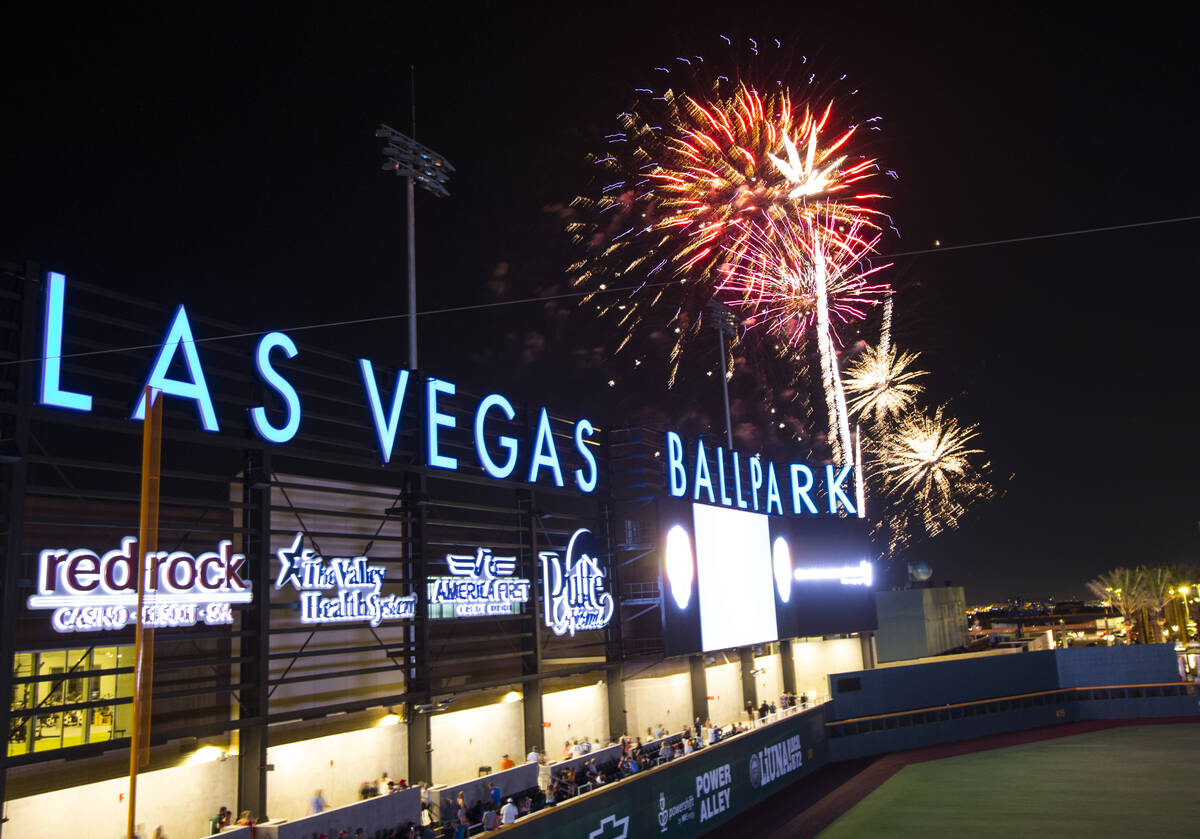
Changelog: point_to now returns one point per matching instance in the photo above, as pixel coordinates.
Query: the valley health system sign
(89, 591)
(339, 589)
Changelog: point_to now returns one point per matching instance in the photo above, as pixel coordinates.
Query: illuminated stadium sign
(90, 591)
(542, 455)
(574, 590)
(710, 474)
(482, 584)
(731, 479)
(339, 589)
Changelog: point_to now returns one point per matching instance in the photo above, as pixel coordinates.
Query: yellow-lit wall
(769, 682)
(725, 687)
(181, 799)
(465, 740)
(337, 765)
(815, 659)
(661, 699)
(573, 715)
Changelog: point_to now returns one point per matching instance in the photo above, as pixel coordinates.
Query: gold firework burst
(881, 384)
(927, 467)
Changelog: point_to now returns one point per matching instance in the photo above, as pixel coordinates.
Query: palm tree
(1122, 588)
(1158, 589)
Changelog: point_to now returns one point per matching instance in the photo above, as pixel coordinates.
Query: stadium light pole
(722, 319)
(420, 165)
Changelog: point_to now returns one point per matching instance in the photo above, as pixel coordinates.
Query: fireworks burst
(794, 265)
(808, 270)
(696, 171)
(925, 466)
(881, 385)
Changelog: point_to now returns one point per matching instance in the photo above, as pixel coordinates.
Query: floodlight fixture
(724, 320)
(420, 164)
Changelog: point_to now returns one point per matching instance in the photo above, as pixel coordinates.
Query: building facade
(358, 557)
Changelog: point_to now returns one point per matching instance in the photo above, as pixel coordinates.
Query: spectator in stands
(365, 790)
(688, 748)
(576, 749)
(660, 731)
(533, 756)
(763, 710)
(803, 700)
(586, 746)
(508, 813)
(220, 821)
(245, 819)
(750, 709)
(461, 823)
(491, 818)
(494, 794)
(318, 803)
(566, 754)
(506, 762)
(385, 784)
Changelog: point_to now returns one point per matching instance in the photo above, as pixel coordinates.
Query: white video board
(734, 576)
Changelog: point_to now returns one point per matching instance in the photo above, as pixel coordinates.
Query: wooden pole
(147, 544)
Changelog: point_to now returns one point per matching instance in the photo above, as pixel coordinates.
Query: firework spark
(925, 465)
(807, 270)
(881, 384)
(696, 171)
(795, 266)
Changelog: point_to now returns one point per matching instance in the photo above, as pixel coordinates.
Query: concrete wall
(662, 699)
(337, 765)
(510, 781)
(181, 799)
(465, 740)
(919, 622)
(573, 715)
(381, 812)
(1133, 665)
(815, 659)
(725, 687)
(769, 683)
(891, 689)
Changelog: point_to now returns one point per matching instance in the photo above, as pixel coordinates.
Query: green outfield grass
(1134, 781)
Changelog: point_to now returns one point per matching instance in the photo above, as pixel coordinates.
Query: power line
(1041, 236)
(578, 294)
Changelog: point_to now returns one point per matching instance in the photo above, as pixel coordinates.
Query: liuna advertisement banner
(689, 797)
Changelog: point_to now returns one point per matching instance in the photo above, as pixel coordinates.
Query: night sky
(227, 159)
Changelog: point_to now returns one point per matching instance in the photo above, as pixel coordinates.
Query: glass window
(64, 698)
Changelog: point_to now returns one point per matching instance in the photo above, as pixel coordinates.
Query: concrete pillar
(252, 771)
(616, 701)
(749, 689)
(419, 747)
(787, 665)
(535, 732)
(867, 641)
(699, 687)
